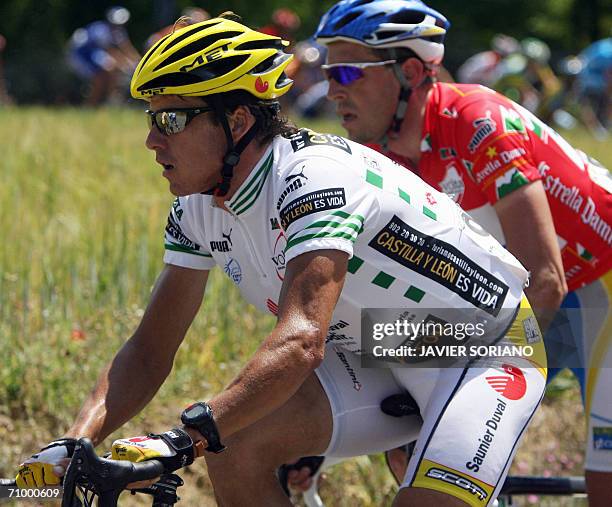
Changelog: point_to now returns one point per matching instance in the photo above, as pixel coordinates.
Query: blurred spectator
(594, 83)
(484, 68)
(308, 95)
(101, 54)
(527, 78)
(189, 16)
(4, 96)
(284, 24)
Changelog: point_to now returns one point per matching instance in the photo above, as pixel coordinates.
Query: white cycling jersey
(410, 246)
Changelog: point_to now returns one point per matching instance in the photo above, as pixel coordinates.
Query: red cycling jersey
(479, 146)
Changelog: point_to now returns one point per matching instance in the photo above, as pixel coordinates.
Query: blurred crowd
(575, 90)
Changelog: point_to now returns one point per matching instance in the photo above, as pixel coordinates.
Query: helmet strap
(402, 102)
(232, 155)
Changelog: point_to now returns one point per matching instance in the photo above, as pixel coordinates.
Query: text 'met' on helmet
(381, 24)
(215, 56)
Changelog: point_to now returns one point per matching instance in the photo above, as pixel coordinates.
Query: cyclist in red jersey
(548, 202)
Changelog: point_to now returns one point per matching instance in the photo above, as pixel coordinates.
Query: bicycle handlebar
(516, 485)
(105, 477)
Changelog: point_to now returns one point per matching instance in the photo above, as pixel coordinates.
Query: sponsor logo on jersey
(334, 336)
(173, 229)
(602, 438)
(452, 184)
(342, 356)
(469, 167)
(451, 113)
(272, 307)
(457, 480)
(305, 138)
(371, 163)
(490, 168)
(426, 143)
(441, 263)
(274, 225)
(293, 181)
(584, 254)
(314, 202)
(531, 329)
(233, 270)
(509, 182)
(176, 206)
(224, 245)
(447, 153)
(511, 121)
(278, 256)
(510, 155)
(511, 386)
(485, 127)
(487, 438)
(571, 197)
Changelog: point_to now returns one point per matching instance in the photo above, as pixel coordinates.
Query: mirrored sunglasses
(173, 121)
(347, 73)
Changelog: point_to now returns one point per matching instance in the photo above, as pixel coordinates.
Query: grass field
(83, 208)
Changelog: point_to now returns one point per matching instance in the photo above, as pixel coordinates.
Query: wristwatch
(199, 416)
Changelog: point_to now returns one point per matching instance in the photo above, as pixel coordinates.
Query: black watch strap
(199, 416)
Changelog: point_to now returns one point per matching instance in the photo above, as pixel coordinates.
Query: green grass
(82, 212)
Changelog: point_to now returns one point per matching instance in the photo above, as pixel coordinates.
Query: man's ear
(240, 121)
(415, 71)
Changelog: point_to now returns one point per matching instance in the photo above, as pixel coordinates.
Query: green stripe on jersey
(403, 195)
(383, 280)
(184, 249)
(354, 264)
(414, 293)
(320, 235)
(249, 194)
(374, 179)
(431, 214)
(337, 225)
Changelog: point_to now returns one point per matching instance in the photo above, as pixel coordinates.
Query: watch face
(196, 411)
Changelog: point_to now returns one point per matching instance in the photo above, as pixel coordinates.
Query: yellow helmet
(215, 56)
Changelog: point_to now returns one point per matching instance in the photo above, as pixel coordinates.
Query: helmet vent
(265, 65)
(219, 67)
(407, 17)
(189, 32)
(260, 44)
(195, 48)
(345, 20)
(174, 79)
(361, 2)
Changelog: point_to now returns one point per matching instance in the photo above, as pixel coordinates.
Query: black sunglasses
(173, 121)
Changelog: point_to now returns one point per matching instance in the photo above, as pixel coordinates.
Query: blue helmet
(386, 24)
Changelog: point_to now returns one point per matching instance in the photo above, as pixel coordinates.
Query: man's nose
(155, 139)
(335, 91)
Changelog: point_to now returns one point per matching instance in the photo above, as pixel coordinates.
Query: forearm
(267, 381)
(121, 392)
(546, 291)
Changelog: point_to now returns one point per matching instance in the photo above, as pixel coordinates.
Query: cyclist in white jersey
(314, 229)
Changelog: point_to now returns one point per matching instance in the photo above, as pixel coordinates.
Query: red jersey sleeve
(495, 146)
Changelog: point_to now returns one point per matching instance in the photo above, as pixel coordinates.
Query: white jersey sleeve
(182, 241)
(320, 203)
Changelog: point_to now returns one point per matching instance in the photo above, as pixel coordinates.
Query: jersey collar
(249, 191)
